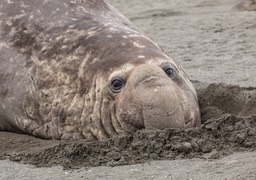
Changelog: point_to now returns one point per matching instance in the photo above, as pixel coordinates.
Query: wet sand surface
(214, 42)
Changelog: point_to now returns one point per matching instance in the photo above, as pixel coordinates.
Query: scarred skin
(81, 70)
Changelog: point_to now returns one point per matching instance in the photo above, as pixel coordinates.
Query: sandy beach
(214, 43)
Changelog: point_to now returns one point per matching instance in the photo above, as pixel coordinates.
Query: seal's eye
(117, 84)
(169, 71)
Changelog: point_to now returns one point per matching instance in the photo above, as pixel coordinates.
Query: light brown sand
(214, 42)
(211, 40)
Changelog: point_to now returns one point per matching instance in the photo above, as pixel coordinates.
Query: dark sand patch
(228, 113)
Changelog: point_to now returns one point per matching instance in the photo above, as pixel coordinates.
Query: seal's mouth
(158, 118)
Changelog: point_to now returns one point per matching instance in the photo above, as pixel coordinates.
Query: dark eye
(117, 84)
(169, 71)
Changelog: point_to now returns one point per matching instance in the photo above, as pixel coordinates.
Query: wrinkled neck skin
(66, 74)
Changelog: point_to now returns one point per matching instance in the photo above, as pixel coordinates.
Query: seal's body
(80, 69)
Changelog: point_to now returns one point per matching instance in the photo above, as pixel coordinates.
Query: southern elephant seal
(80, 69)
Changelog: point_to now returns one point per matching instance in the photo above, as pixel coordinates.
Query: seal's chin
(151, 99)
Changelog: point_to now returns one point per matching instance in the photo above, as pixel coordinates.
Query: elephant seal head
(149, 91)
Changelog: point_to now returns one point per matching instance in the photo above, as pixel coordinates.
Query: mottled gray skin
(58, 59)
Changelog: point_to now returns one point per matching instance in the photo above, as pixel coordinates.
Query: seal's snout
(148, 79)
(163, 104)
(148, 76)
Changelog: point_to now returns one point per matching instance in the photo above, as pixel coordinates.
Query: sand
(214, 42)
